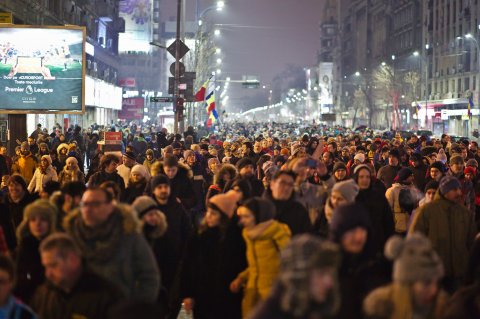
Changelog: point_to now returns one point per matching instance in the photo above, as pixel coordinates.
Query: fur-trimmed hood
(130, 223)
(183, 170)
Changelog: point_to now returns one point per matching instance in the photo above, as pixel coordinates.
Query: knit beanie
(470, 170)
(347, 217)
(403, 174)
(262, 209)
(225, 203)
(304, 254)
(438, 165)
(48, 158)
(349, 189)
(360, 157)
(143, 205)
(472, 162)
(159, 180)
(142, 170)
(362, 166)
(414, 259)
(339, 166)
(448, 183)
(245, 161)
(441, 156)
(431, 185)
(456, 159)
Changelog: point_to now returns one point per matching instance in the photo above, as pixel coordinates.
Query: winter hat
(170, 161)
(403, 174)
(414, 259)
(142, 170)
(143, 205)
(339, 166)
(456, 159)
(62, 146)
(441, 156)
(269, 168)
(360, 157)
(149, 152)
(362, 166)
(470, 170)
(349, 189)
(438, 165)
(347, 217)
(159, 180)
(225, 203)
(449, 183)
(262, 209)
(188, 153)
(432, 185)
(130, 155)
(48, 158)
(304, 254)
(472, 162)
(245, 161)
(296, 147)
(42, 208)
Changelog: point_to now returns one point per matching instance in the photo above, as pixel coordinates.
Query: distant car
(424, 132)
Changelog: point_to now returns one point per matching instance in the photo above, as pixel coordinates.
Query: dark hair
(103, 189)
(6, 264)
(51, 187)
(18, 179)
(224, 221)
(107, 160)
(245, 187)
(73, 189)
(286, 172)
(170, 161)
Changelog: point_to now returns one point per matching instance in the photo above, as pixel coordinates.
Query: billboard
(325, 83)
(138, 25)
(132, 109)
(42, 69)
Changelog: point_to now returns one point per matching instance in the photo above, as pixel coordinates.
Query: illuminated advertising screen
(42, 69)
(138, 25)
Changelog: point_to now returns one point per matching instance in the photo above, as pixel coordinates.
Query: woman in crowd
(71, 172)
(137, 183)
(215, 256)
(38, 223)
(265, 238)
(44, 173)
(225, 174)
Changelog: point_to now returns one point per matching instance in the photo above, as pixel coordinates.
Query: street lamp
(357, 73)
(425, 63)
(216, 32)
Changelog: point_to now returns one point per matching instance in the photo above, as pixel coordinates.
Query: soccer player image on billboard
(42, 69)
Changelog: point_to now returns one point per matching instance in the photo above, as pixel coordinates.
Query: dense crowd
(252, 221)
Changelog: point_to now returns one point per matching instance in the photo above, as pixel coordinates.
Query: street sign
(185, 86)
(161, 99)
(181, 66)
(6, 17)
(183, 49)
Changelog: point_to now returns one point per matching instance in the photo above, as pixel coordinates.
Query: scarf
(100, 243)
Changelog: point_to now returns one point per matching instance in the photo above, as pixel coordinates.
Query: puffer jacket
(451, 229)
(264, 243)
(39, 180)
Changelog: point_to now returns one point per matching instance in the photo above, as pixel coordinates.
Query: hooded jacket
(118, 251)
(451, 229)
(264, 243)
(25, 165)
(39, 179)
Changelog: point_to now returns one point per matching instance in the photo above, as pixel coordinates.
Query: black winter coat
(30, 271)
(291, 213)
(133, 191)
(213, 261)
(381, 216)
(99, 177)
(420, 176)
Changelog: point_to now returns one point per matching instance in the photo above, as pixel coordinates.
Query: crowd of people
(253, 221)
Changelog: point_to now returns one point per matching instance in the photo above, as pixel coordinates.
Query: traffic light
(179, 108)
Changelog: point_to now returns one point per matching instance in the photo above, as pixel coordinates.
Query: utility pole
(176, 90)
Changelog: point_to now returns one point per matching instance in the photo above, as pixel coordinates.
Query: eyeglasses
(93, 204)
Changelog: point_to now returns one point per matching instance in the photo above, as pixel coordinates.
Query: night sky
(268, 35)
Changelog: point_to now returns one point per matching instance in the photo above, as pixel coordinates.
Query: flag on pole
(200, 95)
(470, 107)
(210, 98)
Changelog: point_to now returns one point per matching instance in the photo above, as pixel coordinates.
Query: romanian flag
(210, 98)
(200, 95)
(470, 107)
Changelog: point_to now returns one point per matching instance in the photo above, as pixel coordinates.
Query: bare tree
(389, 86)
